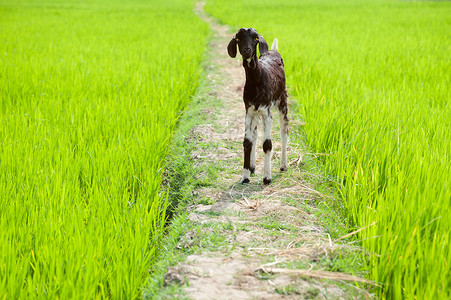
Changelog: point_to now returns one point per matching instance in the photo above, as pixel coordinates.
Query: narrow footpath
(264, 242)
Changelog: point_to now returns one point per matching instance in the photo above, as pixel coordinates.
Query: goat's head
(247, 39)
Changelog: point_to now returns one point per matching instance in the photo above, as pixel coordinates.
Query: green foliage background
(90, 93)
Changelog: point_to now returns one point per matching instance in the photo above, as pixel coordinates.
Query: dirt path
(269, 244)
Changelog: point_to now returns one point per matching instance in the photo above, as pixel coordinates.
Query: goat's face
(247, 39)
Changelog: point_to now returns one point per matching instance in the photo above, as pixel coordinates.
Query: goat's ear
(231, 48)
(263, 45)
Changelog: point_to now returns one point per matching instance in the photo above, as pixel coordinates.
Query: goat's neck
(252, 74)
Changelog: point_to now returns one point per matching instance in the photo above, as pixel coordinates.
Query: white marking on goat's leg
(254, 130)
(267, 146)
(246, 176)
(247, 147)
(283, 121)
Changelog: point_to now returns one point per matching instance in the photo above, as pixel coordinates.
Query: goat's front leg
(250, 139)
(254, 145)
(267, 147)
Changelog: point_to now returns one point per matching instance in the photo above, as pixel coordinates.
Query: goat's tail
(275, 45)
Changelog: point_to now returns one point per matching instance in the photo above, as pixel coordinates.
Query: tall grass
(373, 82)
(90, 92)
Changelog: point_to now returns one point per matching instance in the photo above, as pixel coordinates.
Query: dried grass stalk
(316, 274)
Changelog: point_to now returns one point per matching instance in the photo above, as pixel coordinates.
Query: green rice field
(90, 93)
(372, 80)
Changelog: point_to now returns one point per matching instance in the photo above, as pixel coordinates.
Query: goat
(264, 88)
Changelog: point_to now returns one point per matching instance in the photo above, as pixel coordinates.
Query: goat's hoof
(266, 181)
(252, 170)
(245, 181)
(282, 169)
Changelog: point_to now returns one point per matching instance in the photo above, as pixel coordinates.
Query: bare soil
(273, 241)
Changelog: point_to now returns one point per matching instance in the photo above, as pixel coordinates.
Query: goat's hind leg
(267, 147)
(283, 121)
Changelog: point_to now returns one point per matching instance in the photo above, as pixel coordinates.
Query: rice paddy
(372, 82)
(90, 93)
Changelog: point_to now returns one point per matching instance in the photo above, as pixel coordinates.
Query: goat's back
(272, 82)
(273, 64)
(272, 59)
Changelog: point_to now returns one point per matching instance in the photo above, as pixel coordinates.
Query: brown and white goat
(264, 88)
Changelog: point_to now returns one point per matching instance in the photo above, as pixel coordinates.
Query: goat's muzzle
(246, 53)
